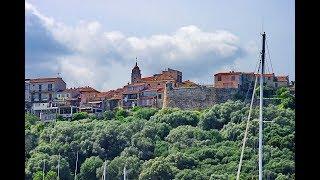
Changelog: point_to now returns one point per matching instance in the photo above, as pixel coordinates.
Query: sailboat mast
(261, 105)
(75, 171)
(124, 173)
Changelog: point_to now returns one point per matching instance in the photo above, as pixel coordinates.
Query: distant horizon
(96, 44)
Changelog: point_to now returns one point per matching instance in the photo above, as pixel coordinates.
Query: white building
(45, 111)
(44, 89)
(27, 95)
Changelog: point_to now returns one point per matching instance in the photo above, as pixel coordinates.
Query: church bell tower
(135, 74)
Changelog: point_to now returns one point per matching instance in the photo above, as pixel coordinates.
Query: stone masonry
(199, 97)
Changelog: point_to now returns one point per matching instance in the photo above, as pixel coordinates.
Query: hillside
(162, 144)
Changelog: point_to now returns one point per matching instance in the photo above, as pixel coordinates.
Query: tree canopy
(163, 144)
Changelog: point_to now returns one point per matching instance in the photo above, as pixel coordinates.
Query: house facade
(87, 94)
(243, 80)
(45, 89)
(68, 97)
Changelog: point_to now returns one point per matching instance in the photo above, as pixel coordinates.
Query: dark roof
(45, 80)
(228, 73)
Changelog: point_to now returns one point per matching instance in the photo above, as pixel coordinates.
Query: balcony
(41, 90)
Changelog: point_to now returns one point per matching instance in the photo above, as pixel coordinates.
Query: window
(40, 87)
(276, 85)
(159, 96)
(219, 78)
(49, 87)
(233, 78)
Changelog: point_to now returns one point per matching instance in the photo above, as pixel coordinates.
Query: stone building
(135, 74)
(132, 94)
(110, 99)
(68, 97)
(195, 97)
(228, 80)
(148, 91)
(243, 80)
(87, 94)
(282, 81)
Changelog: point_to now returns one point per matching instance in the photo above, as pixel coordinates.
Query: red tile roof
(106, 95)
(118, 95)
(160, 89)
(131, 92)
(266, 75)
(154, 89)
(70, 90)
(150, 78)
(282, 78)
(86, 89)
(136, 84)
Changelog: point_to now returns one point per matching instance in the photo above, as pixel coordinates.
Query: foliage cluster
(163, 144)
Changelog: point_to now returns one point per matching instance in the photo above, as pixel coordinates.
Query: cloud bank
(85, 54)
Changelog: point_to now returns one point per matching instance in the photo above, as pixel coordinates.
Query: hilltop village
(48, 97)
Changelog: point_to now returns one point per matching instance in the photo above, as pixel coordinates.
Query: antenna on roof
(232, 68)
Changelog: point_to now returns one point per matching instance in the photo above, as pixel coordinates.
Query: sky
(95, 43)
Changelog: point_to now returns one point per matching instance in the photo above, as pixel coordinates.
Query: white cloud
(104, 59)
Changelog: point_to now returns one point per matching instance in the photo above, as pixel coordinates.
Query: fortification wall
(196, 97)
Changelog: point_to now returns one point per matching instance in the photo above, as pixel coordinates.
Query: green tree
(145, 113)
(38, 175)
(121, 114)
(51, 175)
(80, 115)
(188, 174)
(116, 166)
(170, 144)
(108, 115)
(30, 120)
(179, 118)
(157, 168)
(287, 99)
(89, 167)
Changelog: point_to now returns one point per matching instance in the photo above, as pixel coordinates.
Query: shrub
(108, 115)
(80, 115)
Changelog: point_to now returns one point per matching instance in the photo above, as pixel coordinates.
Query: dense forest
(163, 143)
